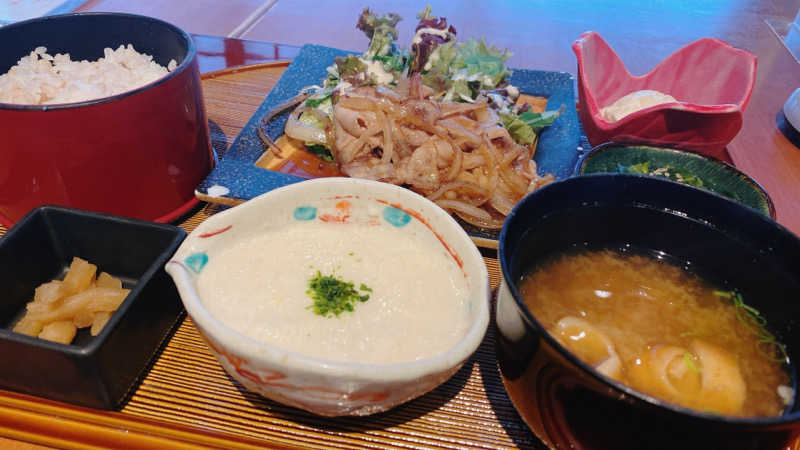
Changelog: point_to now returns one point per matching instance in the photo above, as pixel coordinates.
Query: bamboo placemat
(186, 400)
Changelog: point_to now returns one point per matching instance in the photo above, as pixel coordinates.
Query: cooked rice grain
(40, 78)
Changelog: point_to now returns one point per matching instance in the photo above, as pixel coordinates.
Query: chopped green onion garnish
(767, 343)
(687, 358)
(333, 296)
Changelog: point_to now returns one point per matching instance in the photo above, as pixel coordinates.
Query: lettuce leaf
(382, 32)
(462, 70)
(520, 131)
(332, 78)
(321, 152)
(483, 60)
(318, 98)
(525, 127)
(540, 121)
(349, 66)
(353, 70)
(311, 120)
(425, 14)
(394, 63)
(462, 90)
(430, 34)
(437, 70)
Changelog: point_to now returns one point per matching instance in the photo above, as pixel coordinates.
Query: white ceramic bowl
(324, 387)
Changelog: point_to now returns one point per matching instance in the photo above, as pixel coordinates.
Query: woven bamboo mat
(187, 400)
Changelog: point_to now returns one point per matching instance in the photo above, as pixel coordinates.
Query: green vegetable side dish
(333, 296)
(677, 165)
(663, 171)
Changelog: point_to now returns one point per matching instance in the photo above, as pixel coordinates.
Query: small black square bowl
(98, 371)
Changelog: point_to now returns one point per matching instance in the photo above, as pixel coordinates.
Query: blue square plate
(236, 178)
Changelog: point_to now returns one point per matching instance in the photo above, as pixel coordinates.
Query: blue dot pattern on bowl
(305, 213)
(396, 217)
(196, 261)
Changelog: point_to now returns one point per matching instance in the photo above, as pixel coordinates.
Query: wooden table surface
(540, 34)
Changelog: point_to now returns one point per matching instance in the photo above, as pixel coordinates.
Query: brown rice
(40, 78)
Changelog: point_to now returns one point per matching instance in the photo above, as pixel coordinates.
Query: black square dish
(97, 371)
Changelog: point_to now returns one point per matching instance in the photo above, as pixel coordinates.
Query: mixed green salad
(456, 71)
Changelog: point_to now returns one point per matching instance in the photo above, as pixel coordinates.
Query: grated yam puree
(417, 307)
(40, 78)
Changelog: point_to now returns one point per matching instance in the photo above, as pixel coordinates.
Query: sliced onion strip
(464, 208)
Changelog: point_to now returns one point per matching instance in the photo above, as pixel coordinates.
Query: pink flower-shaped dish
(711, 81)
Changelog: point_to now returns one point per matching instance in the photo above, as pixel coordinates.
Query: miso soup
(661, 330)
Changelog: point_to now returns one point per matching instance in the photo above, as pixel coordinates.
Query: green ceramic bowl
(678, 165)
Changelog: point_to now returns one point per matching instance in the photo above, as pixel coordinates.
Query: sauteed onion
(456, 154)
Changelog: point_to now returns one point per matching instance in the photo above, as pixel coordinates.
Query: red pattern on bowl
(711, 80)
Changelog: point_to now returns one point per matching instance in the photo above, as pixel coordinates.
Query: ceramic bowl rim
(402, 371)
(532, 322)
(188, 59)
